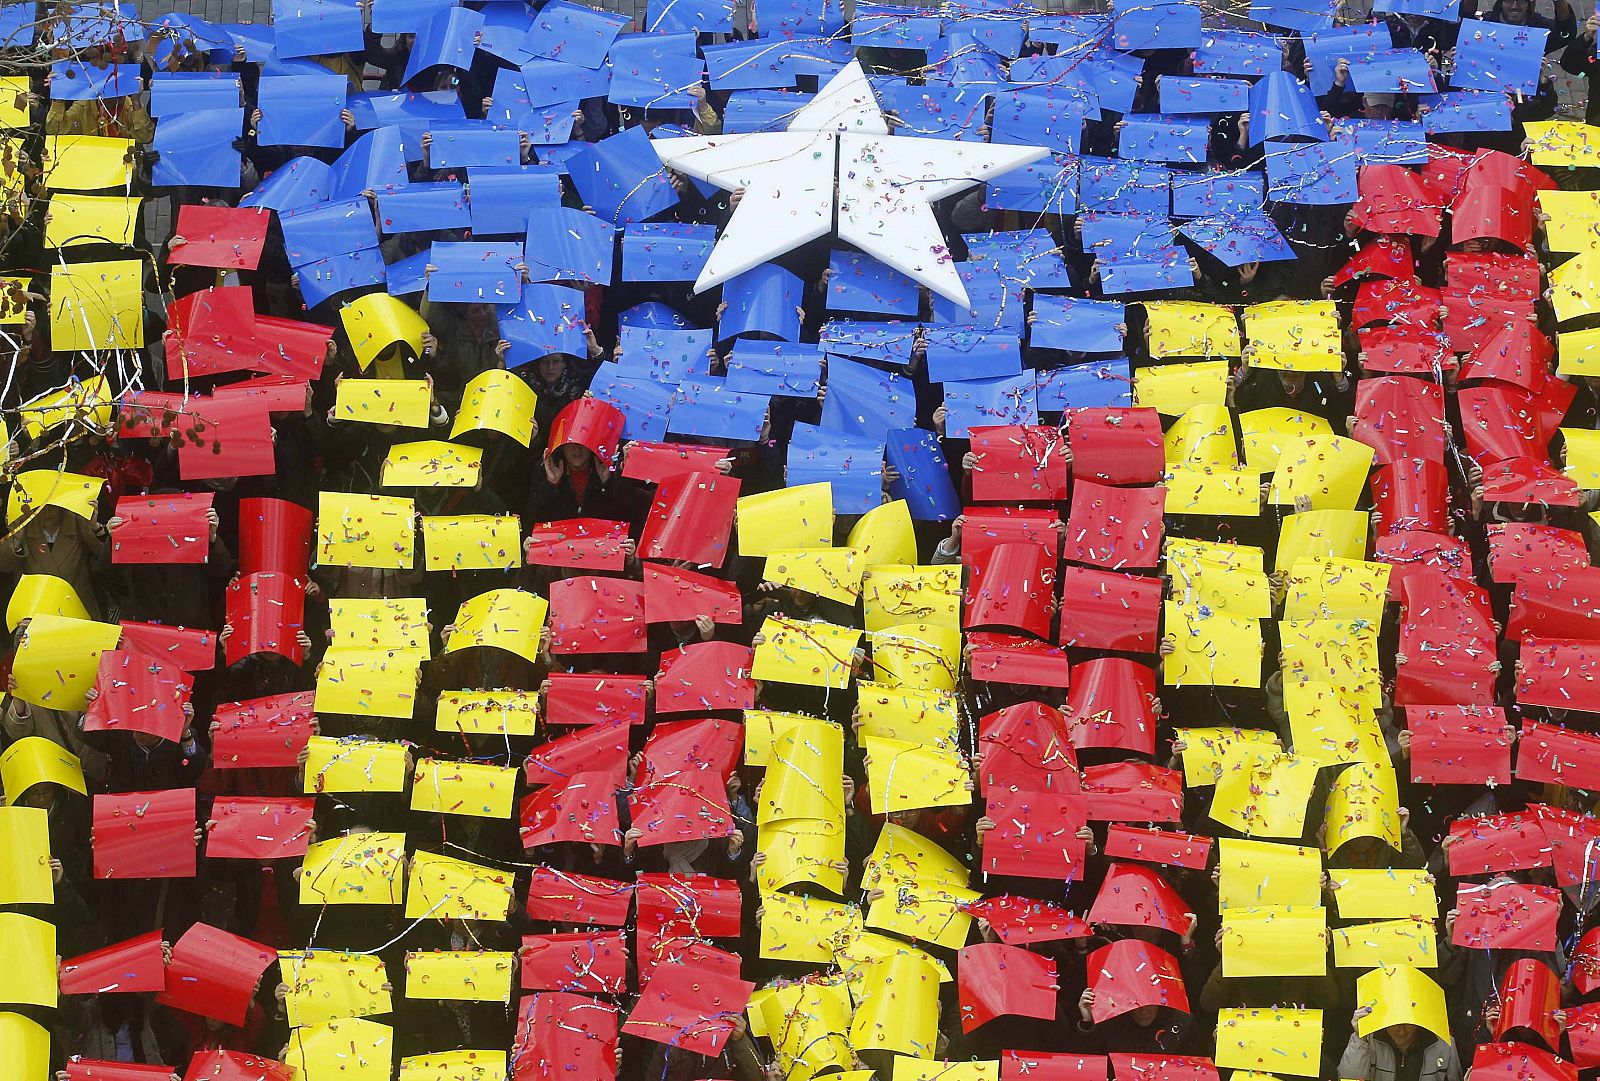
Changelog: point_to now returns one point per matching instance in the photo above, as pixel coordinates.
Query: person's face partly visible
(1145, 1016)
(1403, 1035)
(577, 457)
(1515, 11)
(551, 369)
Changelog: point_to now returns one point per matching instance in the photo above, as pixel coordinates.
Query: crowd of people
(445, 644)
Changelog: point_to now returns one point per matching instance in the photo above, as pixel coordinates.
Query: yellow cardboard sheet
(903, 856)
(1173, 389)
(1338, 533)
(1274, 940)
(804, 928)
(1213, 649)
(1226, 585)
(42, 595)
(917, 656)
(455, 1066)
(14, 109)
(1282, 1041)
(24, 1048)
(355, 765)
(1325, 588)
(925, 912)
(1575, 286)
(1384, 893)
(831, 573)
(809, 1026)
(885, 535)
(1265, 432)
(1583, 457)
(1341, 653)
(806, 778)
(368, 683)
(72, 492)
(1207, 751)
(1181, 328)
(1256, 873)
(347, 1049)
(445, 888)
(58, 658)
(1228, 492)
(1386, 942)
(356, 869)
(1400, 995)
(328, 984)
(799, 517)
(508, 619)
(1578, 352)
(1329, 470)
(1268, 800)
(376, 531)
(97, 306)
(1563, 142)
(1202, 439)
(1179, 552)
(905, 776)
(1574, 223)
(471, 542)
(474, 789)
(402, 403)
(25, 877)
(896, 593)
(86, 163)
(459, 976)
(14, 301)
(35, 760)
(89, 404)
(800, 850)
(399, 625)
(496, 400)
(763, 728)
(29, 975)
(1320, 726)
(916, 1069)
(1364, 801)
(1294, 336)
(898, 1007)
(810, 653)
(73, 220)
(432, 463)
(930, 718)
(378, 320)
(488, 713)
(856, 956)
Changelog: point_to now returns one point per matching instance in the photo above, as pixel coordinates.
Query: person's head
(1145, 1016)
(1516, 12)
(479, 315)
(1402, 1036)
(52, 517)
(1293, 382)
(40, 796)
(577, 456)
(551, 368)
(1478, 244)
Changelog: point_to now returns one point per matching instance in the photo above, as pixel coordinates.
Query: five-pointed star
(837, 152)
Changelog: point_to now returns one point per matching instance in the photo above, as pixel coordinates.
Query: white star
(838, 154)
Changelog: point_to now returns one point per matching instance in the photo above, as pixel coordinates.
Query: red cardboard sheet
(259, 827)
(262, 733)
(145, 834)
(162, 529)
